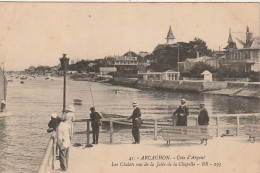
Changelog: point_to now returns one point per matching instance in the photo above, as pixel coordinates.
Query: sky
(39, 33)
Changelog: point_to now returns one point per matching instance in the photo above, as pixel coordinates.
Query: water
(23, 136)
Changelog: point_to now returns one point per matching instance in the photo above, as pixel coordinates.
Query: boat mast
(4, 83)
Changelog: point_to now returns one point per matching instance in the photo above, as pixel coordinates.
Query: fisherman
(95, 123)
(182, 112)
(136, 119)
(53, 123)
(3, 104)
(64, 135)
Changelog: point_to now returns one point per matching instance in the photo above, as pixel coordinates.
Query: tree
(165, 57)
(199, 68)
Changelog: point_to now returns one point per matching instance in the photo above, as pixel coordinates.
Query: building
(160, 76)
(188, 64)
(169, 41)
(106, 70)
(170, 37)
(245, 59)
(127, 62)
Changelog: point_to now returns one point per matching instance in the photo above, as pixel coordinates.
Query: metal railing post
(155, 129)
(217, 123)
(88, 132)
(237, 130)
(54, 152)
(111, 130)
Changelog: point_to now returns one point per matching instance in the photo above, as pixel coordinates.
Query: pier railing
(155, 123)
(47, 163)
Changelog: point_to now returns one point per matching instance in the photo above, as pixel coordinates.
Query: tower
(230, 40)
(170, 38)
(231, 44)
(248, 35)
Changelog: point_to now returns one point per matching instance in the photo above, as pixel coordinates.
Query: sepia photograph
(122, 87)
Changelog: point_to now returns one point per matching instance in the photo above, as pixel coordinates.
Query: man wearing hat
(70, 114)
(95, 123)
(135, 129)
(182, 112)
(53, 123)
(64, 135)
(203, 118)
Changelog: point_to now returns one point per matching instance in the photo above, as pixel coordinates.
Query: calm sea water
(23, 136)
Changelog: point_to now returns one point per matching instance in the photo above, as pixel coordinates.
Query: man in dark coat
(135, 129)
(182, 112)
(95, 123)
(53, 123)
(203, 118)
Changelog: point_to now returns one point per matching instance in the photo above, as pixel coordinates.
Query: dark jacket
(53, 124)
(136, 114)
(95, 119)
(203, 118)
(182, 112)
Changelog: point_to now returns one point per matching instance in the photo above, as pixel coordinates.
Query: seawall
(243, 89)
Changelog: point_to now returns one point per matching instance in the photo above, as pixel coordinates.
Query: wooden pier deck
(235, 154)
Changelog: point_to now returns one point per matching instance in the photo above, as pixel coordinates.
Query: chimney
(198, 54)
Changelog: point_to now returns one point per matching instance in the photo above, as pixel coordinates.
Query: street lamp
(64, 61)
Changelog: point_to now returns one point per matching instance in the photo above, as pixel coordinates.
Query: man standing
(135, 129)
(203, 118)
(64, 134)
(95, 123)
(182, 112)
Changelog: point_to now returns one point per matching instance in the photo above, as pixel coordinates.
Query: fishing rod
(91, 95)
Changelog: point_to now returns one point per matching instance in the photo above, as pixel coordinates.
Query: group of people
(183, 111)
(64, 127)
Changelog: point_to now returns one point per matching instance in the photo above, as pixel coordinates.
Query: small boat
(23, 78)
(77, 102)
(122, 121)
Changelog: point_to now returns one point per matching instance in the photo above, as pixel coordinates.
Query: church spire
(230, 40)
(170, 37)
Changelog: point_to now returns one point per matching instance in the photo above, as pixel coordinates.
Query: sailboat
(3, 93)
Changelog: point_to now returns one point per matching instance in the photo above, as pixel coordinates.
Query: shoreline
(227, 88)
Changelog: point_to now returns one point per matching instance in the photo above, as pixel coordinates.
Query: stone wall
(215, 85)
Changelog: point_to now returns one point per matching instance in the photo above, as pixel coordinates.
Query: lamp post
(178, 57)
(64, 61)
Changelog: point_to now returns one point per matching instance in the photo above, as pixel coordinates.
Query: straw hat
(53, 115)
(134, 104)
(71, 108)
(183, 100)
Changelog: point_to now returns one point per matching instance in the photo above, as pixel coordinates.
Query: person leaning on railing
(53, 123)
(136, 120)
(64, 135)
(95, 123)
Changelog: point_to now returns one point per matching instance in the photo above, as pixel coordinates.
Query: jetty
(222, 154)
